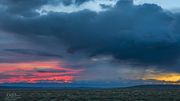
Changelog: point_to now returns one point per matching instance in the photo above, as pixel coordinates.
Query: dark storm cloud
(24, 7)
(51, 71)
(32, 52)
(78, 2)
(144, 34)
(28, 7)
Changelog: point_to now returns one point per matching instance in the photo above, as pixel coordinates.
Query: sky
(166, 4)
(67, 41)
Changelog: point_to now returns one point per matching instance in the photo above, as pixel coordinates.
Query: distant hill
(81, 86)
(155, 87)
(60, 85)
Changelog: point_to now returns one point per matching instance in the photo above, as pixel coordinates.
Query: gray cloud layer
(143, 34)
(27, 7)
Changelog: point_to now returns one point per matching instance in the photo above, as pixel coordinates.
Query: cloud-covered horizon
(119, 37)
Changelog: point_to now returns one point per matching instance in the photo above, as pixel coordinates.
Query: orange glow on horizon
(166, 77)
(32, 72)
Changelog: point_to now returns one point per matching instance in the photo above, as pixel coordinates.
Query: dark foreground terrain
(125, 94)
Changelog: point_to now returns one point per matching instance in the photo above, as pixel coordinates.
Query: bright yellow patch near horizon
(167, 77)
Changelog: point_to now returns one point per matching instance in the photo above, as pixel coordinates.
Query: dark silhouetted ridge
(156, 87)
